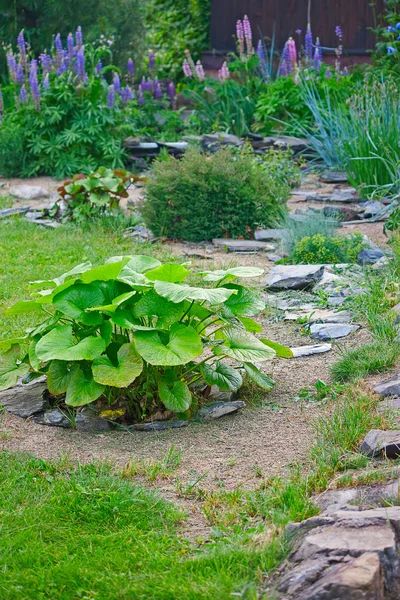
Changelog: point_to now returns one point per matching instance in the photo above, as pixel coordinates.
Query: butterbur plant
(131, 333)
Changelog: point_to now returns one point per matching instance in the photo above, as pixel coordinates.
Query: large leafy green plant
(132, 329)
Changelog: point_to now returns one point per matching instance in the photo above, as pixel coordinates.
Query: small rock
(25, 399)
(293, 277)
(219, 409)
(225, 139)
(382, 262)
(88, 421)
(28, 192)
(53, 417)
(8, 212)
(274, 257)
(381, 443)
(343, 213)
(47, 223)
(336, 300)
(159, 425)
(369, 256)
(334, 177)
(331, 331)
(310, 350)
(33, 215)
(270, 234)
(390, 405)
(347, 195)
(242, 245)
(389, 387)
(372, 208)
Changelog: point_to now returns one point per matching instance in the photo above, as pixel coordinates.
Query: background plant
(320, 249)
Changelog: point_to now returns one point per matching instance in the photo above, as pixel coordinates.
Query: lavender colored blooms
(318, 56)
(46, 82)
(111, 97)
(80, 64)
(70, 46)
(223, 73)
(140, 97)
(78, 37)
(22, 46)
(58, 43)
(34, 83)
(116, 83)
(127, 94)
(391, 50)
(158, 93)
(240, 37)
(20, 74)
(339, 32)
(308, 43)
(247, 28)
(12, 66)
(98, 67)
(200, 71)
(23, 95)
(286, 59)
(46, 63)
(171, 91)
(186, 69)
(1, 103)
(292, 52)
(152, 61)
(131, 68)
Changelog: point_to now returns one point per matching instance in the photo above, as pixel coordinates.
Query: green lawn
(68, 533)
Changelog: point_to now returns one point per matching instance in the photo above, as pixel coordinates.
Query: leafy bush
(202, 197)
(320, 249)
(93, 196)
(131, 332)
(311, 224)
(387, 52)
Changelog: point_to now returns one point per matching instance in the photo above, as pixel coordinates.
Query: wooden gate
(286, 16)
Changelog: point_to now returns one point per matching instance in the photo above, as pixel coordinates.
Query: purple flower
(131, 68)
(292, 52)
(58, 43)
(152, 61)
(140, 97)
(186, 69)
(308, 43)
(345, 72)
(12, 66)
(70, 46)
(34, 84)
(45, 61)
(223, 73)
(78, 37)
(317, 56)
(1, 103)
(111, 97)
(391, 50)
(171, 91)
(158, 93)
(328, 74)
(298, 31)
(98, 67)
(23, 95)
(390, 29)
(286, 59)
(239, 30)
(200, 71)
(46, 82)
(22, 46)
(20, 74)
(80, 64)
(116, 83)
(397, 26)
(247, 28)
(127, 95)
(339, 32)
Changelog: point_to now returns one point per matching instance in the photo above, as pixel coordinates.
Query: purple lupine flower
(20, 74)
(116, 83)
(58, 43)
(298, 31)
(248, 35)
(45, 61)
(127, 94)
(171, 91)
(186, 69)
(200, 71)
(152, 61)
(292, 52)
(391, 50)
(12, 66)
(34, 83)
(46, 82)
(111, 97)
(1, 103)
(224, 73)
(23, 95)
(70, 46)
(22, 47)
(262, 59)
(131, 69)
(328, 74)
(240, 37)
(339, 32)
(140, 97)
(283, 69)
(78, 37)
(158, 93)
(308, 43)
(98, 67)
(345, 72)
(286, 59)
(80, 64)
(317, 56)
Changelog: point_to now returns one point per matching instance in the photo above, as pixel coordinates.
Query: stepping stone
(159, 425)
(348, 195)
(270, 234)
(179, 146)
(389, 387)
(216, 410)
(222, 138)
(334, 177)
(293, 277)
(242, 245)
(331, 331)
(370, 209)
(311, 350)
(53, 417)
(8, 212)
(88, 421)
(370, 256)
(25, 399)
(46, 223)
(28, 192)
(381, 443)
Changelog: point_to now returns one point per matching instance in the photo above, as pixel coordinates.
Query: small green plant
(320, 392)
(130, 334)
(202, 197)
(92, 196)
(312, 223)
(320, 249)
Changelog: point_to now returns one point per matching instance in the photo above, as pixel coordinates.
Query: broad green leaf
(123, 318)
(42, 327)
(106, 331)
(74, 301)
(232, 273)
(59, 344)
(243, 346)
(114, 304)
(23, 307)
(59, 376)
(62, 278)
(225, 377)
(177, 293)
(33, 359)
(244, 303)
(130, 365)
(263, 381)
(168, 272)
(176, 397)
(251, 325)
(281, 351)
(10, 342)
(182, 345)
(152, 305)
(104, 272)
(47, 296)
(140, 263)
(10, 368)
(196, 310)
(82, 389)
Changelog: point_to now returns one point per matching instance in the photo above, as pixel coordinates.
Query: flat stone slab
(28, 192)
(311, 350)
(370, 256)
(159, 425)
(270, 234)
(334, 177)
(242, 245)
(389, 387)
(293, 277)
(216, 410)
(25, 399)
(381, 443)
(347, 195)
(390, 405)
(331, 331)
(9, 212)
(53, 417)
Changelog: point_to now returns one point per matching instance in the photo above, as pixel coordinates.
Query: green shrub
(320, 249)
(130, 334)
(202, 197)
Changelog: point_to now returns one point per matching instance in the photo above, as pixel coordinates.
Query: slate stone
(51, 224)
(270, 234)
(391, 405)
(222, 138)
(311, 350)
(217, 410)
(343, 213)
(372, 208)
(293, 277)
(242, 245)
(87, 420)
(9, 212)
(28, 192)
(159, 425)
(25, 399)
(334, 177)
(336, 300)
(348, 195)
(389, 387)
(381, 443)
(54, 417)
(331, 331)
(369, 256)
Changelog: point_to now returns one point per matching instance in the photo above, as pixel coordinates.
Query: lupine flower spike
(111, 97)
(308, 43)
(78, 36)
(223, 73)
(248, 36)
(200, 71)
(34, 83)
(186, 69)
(131, 70)
(22, 47)
(171, 92)
(318, 56)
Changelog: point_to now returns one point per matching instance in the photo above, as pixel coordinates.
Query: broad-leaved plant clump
(201, 197)
(131, 331)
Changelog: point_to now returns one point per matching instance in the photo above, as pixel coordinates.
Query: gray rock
(347, 195)
(343, 213)
(87, 420)
(180, 146)
(47, 223)
(293, 277)
(372, 208)
(54, 417)
(28, 192)
(25, 399)
(336, 300)
(334, 177)
(389, 387)
(295, 144)
(222, 138)
(274, 257)
(242, 245)
(159, 425)
(311, 350)
(270, 234)
(9, 212)
(219, 409)
(381, 443)
(369, 256)
(391, 406)
(382, 262)
(33, 215)
(331, 331)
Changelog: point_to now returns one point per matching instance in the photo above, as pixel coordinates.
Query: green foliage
(93, 196)
(323, 249)
(203, 197)
(369, 359)
(131, 324)
(175, 26)
(386, 55)
(392, 223)
(313, 223)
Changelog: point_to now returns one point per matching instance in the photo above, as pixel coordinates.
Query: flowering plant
(387, 54)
